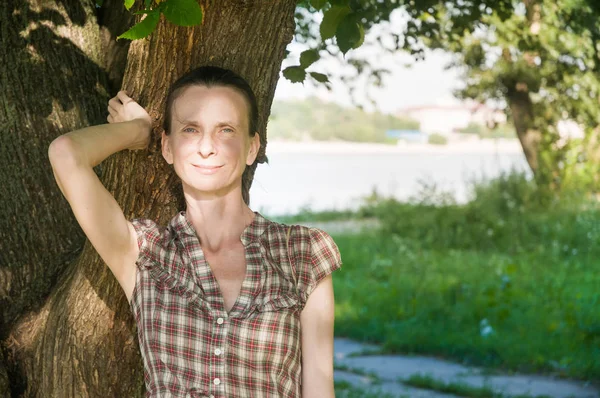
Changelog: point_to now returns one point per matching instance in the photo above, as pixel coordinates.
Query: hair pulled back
(212, 76)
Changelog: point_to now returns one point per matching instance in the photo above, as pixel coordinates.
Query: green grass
(460, 389)
(373, 377)
(346, 390)
(504, 282)
(542, 310)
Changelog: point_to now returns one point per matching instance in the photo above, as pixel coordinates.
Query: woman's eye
(189, 130)
(227, 130)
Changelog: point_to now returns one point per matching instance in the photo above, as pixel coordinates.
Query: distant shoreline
(472, 146)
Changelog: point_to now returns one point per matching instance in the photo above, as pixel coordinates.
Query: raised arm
(73, 156)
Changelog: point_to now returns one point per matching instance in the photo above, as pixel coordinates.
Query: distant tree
(538, 59)
(437, 139)
(542, 62)
(473, 128)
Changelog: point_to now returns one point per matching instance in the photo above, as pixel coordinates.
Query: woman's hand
(123, 108)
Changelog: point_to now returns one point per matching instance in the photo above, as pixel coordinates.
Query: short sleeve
(316, 257)
(148, 235)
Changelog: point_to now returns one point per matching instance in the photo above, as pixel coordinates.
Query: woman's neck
(219, 223)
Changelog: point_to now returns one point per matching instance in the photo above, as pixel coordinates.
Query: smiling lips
(207, 169)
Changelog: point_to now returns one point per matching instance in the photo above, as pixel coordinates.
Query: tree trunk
(521, 109)
(518, 94)
(82, 342)
(52, 82)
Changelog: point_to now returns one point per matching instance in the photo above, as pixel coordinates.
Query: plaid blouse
(190, 345)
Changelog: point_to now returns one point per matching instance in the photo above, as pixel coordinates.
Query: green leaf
(321, 78)
(129, 4)
(355, 5)
(331, 21)
(148, 3)
(295, 74)
(309, 57)
(350, 34)
(142, 29)
(339, 2)
(318, 4)
(182, 12)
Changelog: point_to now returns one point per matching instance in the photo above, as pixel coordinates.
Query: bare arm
(73, 156)
(316, 321)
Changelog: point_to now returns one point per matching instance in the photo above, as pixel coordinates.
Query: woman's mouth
(204, 169)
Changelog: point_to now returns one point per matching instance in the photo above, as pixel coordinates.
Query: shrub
(508, 214)
(508, 279)
(437, 139)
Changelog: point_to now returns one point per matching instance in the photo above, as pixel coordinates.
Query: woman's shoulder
(313, 255)
(177, 225)
(276, 230)
(158, 243)
(303, 238)
(148, 228)
(153, 236)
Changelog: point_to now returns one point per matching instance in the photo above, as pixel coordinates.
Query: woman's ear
(166, 148)
(254, 148)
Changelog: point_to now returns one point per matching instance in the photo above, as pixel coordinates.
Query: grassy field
(502, 281)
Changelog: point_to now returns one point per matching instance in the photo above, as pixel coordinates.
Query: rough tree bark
(521, 109)
(82, 341)
(52, 82)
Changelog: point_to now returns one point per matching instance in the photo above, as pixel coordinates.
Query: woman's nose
(206, 146)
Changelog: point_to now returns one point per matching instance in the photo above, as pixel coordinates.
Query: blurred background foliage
(318, 120)
(538, 60)
(507, 280)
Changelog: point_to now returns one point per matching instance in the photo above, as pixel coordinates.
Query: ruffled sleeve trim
(148, 235)
(313, 255)
(325, 257)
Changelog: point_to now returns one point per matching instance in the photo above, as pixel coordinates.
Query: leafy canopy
(332, 27)
(178, 12)
(546, 51)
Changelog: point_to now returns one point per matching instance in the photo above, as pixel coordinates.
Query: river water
(333, 180)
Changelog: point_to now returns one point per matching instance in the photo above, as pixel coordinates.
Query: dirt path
(383, 373)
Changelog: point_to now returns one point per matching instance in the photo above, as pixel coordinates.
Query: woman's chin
(208, 188)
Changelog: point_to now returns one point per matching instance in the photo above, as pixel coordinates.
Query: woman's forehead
(200, 103)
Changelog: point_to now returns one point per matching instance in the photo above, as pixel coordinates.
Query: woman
(227, 302)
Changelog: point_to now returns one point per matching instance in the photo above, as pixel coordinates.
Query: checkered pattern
(190, 345)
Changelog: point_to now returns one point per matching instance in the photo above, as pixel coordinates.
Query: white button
(218, 351)
(217, 381)
(220, 321)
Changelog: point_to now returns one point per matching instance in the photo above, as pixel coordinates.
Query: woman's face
(209, 145)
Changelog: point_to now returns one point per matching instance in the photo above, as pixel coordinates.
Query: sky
(424, 83)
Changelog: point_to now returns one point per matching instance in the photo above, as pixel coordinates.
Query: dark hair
(213, 76)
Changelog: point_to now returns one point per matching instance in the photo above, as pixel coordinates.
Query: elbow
(62, 152)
